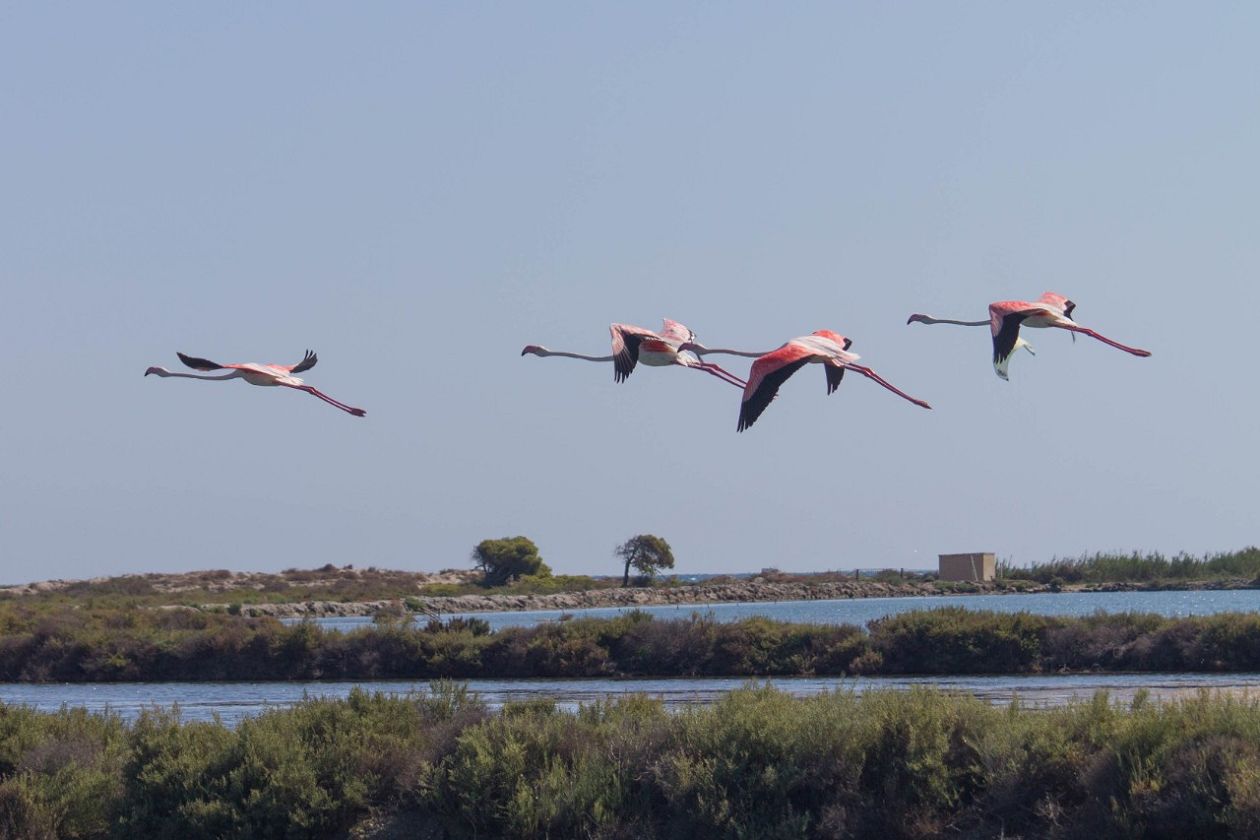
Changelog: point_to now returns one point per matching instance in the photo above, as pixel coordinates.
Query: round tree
(646, 553)
(505, 560)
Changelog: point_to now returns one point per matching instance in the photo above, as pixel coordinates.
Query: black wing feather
(1004, 341)
(308, 362)
(834, 375)
(198, 364)
(624, 362)
(752, 407)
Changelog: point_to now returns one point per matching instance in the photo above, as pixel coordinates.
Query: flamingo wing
(675, 332)
(198, 364)
(768, 373)
(625, 348)
(1057, 301)
(839, 355)
(834, 374)
(308, 362)
(1004, 320)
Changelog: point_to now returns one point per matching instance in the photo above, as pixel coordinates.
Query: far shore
(750, 591)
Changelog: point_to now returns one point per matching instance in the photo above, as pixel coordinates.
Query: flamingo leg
(723, 373)
(357, 412)
(870, 374)
(714, 370)
(1136, 351)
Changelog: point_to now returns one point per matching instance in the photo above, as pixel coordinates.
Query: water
(233, 702)
(862, 610)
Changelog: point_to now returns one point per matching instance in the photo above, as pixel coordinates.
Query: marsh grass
(57, 644)
(759, 763)
(1139, 567)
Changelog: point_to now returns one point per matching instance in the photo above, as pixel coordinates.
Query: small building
(973, 567)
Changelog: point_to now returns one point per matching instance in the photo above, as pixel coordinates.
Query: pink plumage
(256, 374)
(772, 369)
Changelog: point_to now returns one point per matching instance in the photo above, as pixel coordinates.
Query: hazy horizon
(416, 192)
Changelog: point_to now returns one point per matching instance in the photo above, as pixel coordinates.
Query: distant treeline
(759, 764)
(1118, 568)
(85, 645)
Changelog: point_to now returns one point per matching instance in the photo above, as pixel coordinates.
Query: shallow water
(232, 702)
(862, 610)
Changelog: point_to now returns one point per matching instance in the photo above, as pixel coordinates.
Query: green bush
(758, 763)
(509, 558)
(93, 644)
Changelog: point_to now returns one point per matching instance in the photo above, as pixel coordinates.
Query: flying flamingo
(1006, 316)
(772, 369)
(256, 374)
(631, 345)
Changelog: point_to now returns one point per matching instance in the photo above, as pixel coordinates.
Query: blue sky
(416, 191)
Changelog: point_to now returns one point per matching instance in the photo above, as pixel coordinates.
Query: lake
(234, 701)
(862, 610)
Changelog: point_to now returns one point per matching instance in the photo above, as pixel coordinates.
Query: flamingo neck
(928, 319)
(233, 375)
(576, 356)
(704, 351)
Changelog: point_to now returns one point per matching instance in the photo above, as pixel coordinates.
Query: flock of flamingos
(675, 344)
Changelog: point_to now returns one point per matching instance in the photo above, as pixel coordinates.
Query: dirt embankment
(621, 597)
(743, 591)
(406, 589)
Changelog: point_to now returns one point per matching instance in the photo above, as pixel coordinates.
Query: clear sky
(417, 190)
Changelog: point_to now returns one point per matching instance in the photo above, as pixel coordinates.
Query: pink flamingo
(1006, 316)
(256, 374)
(772, 369)
(631, 345)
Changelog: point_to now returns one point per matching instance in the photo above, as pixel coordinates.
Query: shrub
(507, 559)
(646, 553)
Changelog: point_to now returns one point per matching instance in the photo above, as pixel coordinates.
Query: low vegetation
(757, 764)
(101, 645)
(1137, 567)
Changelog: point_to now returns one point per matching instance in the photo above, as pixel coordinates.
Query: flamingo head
(692, 347)
(916, 318)
(160, 371)
(845, 343)
(534, 349)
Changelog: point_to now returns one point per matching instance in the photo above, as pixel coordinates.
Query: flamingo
(1006, 316)
(631, 345)
(772, 369)
(256, 374)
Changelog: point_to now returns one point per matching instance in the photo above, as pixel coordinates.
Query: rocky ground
(409, 588)
(744, 591)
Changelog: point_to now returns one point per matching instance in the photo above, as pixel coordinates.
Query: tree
(507, 559)
(647, 553)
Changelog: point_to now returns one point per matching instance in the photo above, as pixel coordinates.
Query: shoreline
(701, 595)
